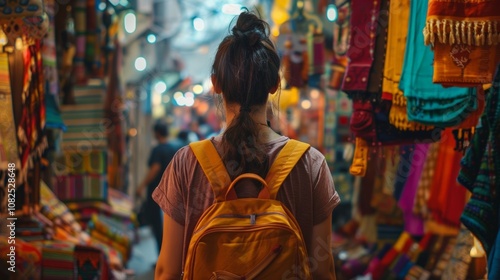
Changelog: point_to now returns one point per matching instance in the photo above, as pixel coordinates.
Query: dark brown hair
(246, 68)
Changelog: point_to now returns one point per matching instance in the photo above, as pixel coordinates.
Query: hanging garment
(80, 11)
(396, 43)
(8, 140)
(479, 173)
(465, 39)
(429, 103)
(424, 184)
(447, 198)
(339, 62)
(414, 224)
(458, 265)
(23, 19)
(361, 44)
(379, 48)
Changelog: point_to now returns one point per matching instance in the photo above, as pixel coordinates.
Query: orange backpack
(247, 238)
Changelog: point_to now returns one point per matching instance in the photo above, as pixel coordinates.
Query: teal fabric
(429, 103)
(53, 117)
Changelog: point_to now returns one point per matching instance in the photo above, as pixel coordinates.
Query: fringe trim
(473, 33)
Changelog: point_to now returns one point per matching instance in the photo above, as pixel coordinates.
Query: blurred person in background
(158, 161)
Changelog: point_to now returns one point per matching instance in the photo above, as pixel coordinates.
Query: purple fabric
(414, 224)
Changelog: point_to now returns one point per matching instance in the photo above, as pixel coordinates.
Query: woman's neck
(258, 113)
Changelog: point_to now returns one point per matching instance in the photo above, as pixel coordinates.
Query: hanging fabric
(396, 43)
(8, 140)
(361, 45)
(80, 13)
(429, 103)
(465, 39)
(23, 19)
(478, 169)
(446, 199)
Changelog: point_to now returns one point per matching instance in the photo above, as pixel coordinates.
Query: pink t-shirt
(184, 192)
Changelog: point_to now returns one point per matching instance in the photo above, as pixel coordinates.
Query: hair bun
(250, 28)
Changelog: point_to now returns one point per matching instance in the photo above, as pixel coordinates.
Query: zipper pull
(253, 217)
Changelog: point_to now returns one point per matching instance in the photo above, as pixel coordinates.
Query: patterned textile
(86, 129)
(84, 187)
(55, 210)
(465, 39)
(90, 263)
(8, 140)
(23, 18)
(429, 103)
(57, 260)
(458, 264)
(481, 215)
(28, 260)
(424, 184)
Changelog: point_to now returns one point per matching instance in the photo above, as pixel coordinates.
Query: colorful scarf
(465, 39)
(429, 103)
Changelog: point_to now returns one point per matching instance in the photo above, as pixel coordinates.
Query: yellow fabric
(252, 238)
(396, 43)
(360, 159)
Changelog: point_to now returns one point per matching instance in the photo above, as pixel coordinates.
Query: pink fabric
(414, 224)
(308, 192)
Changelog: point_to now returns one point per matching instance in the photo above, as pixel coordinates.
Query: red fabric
(361, 44)
(447, 198)
(465, 9)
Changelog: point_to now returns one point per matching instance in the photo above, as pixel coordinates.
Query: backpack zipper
(252, 217)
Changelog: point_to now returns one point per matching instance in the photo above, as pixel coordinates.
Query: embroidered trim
(478, 33)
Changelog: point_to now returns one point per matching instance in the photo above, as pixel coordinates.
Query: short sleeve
(169, 193)
(154, 157)
(324, 194)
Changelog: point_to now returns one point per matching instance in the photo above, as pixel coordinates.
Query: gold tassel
(490, 39)
(431, 27)
(483, 34)
(444, 32)
(452, 36)
(476, 36)
(426, 33)
(469, 33)
(457, 29)
(464, 38)
(495, 33)
(440, 37)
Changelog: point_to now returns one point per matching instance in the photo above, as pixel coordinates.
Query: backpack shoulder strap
(212, 166)
(289, 155)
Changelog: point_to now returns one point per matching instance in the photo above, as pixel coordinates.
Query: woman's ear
(275, 88)
(215, 84)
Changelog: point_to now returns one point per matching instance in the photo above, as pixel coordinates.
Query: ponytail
(246, 68)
